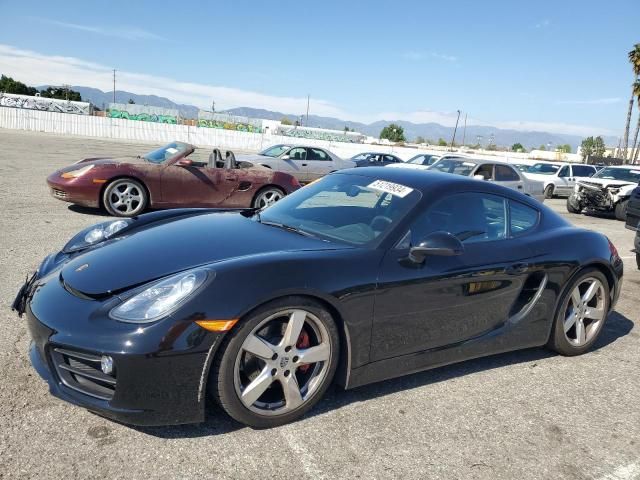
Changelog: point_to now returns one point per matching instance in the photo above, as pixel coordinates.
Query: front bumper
(160, 374)
(81, 190)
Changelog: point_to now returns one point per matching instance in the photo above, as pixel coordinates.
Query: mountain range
(429, 131)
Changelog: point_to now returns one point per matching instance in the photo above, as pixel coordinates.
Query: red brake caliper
(303, 342)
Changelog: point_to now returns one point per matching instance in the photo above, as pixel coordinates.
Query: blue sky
(559, 66)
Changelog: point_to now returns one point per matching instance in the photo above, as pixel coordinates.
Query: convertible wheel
(582, 314)
(621, 210)
(125, 197)
(277, 364)
(548, 191)
(267, 197)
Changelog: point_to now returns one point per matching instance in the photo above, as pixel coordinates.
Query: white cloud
(595, 101)
(415, 56)
(124, 32)
(38, 69)
(543, 23)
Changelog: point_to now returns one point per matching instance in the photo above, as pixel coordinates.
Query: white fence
(149, 132)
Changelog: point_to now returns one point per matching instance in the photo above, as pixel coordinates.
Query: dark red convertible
(169, 177)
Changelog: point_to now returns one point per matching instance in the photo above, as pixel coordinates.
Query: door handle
(304, 164)
(519, 187)
(517, 268)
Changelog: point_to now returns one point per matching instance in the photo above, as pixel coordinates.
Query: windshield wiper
(288, 228)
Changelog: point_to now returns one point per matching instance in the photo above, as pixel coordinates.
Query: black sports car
(367, 274)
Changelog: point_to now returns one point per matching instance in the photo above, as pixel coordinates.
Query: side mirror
(285, 157)
(442, 244)
(185, 162)
(480, 177)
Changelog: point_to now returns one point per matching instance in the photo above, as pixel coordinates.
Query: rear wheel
(267, 197)
(582, 313)
(125, 197)
(277, 364)
(548, 191)
(621, 210)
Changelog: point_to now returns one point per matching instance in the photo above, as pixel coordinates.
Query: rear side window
(523, 218)
(583, 171)
(316, 154)
(505, 173)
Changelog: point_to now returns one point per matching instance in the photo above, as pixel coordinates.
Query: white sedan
(483, 169)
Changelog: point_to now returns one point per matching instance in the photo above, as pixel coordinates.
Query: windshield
(274, 151)
(543, 168)
(165, 153)
(623, 174)
(422, 159)
(458, 167)
(351, 209)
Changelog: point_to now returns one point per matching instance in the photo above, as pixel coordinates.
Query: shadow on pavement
(217, 422)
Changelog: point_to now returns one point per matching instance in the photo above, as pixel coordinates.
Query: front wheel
(267, 197)
(582, 313)
(277, 364)
(621, 210)
(548, 191)
(125, 197)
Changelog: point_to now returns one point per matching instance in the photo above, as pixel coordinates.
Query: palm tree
(634, 152)
(634, 59)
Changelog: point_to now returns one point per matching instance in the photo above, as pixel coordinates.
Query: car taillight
(613, 249)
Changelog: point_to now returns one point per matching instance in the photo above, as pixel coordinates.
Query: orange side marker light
(217, 325)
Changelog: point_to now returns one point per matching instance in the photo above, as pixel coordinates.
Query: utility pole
(307, 122)
(454, 130)
(114, 85)
(213, 106)
(464, 131)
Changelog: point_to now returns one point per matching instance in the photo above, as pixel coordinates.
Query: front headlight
(77, 173)
(161, 298)
(96, 234)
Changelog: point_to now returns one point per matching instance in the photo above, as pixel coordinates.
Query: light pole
(453, 139)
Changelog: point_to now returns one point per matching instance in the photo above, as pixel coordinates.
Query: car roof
(626, 167)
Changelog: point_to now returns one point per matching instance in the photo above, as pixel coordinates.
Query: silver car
(305, 163)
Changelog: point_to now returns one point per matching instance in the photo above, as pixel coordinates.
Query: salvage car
(633, 220)
(305, 163)
(169, 177)
(608, 191)
(375, 159)
(559, 178)
(362, 276)
(490, 170)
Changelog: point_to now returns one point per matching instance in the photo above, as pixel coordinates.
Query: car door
(506, 176)
(450, 299)
(194, 184)
(294, 162)
(319, 163)
(563, 181)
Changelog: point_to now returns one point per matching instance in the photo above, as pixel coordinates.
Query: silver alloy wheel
(125, 197)
(585, 312)
(268, 198)
(272, 374)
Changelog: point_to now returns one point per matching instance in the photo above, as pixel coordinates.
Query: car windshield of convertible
(351, 209)
(164, 153)
(622, 174)
(274, 151)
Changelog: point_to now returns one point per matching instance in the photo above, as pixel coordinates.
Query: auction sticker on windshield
(389, 187)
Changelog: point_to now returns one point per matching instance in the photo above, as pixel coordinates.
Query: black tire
(133, 205)
(638, 260)
(621, 210)
(222, 379)
(267, 196)
(571, 208)
(548, 191)
(558, 340)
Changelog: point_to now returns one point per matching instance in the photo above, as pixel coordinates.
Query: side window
(298, 154)
(485, 170)
(583, 171)
(472, 217)
(316, 154)
(564, 172)
(390, 159)
(505, 173)
(523, 218)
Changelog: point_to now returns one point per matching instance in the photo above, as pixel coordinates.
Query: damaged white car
(608, 191)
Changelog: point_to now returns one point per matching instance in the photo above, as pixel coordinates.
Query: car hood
(162, 249)
(606, 182)
(113, 160)
(254, 157)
